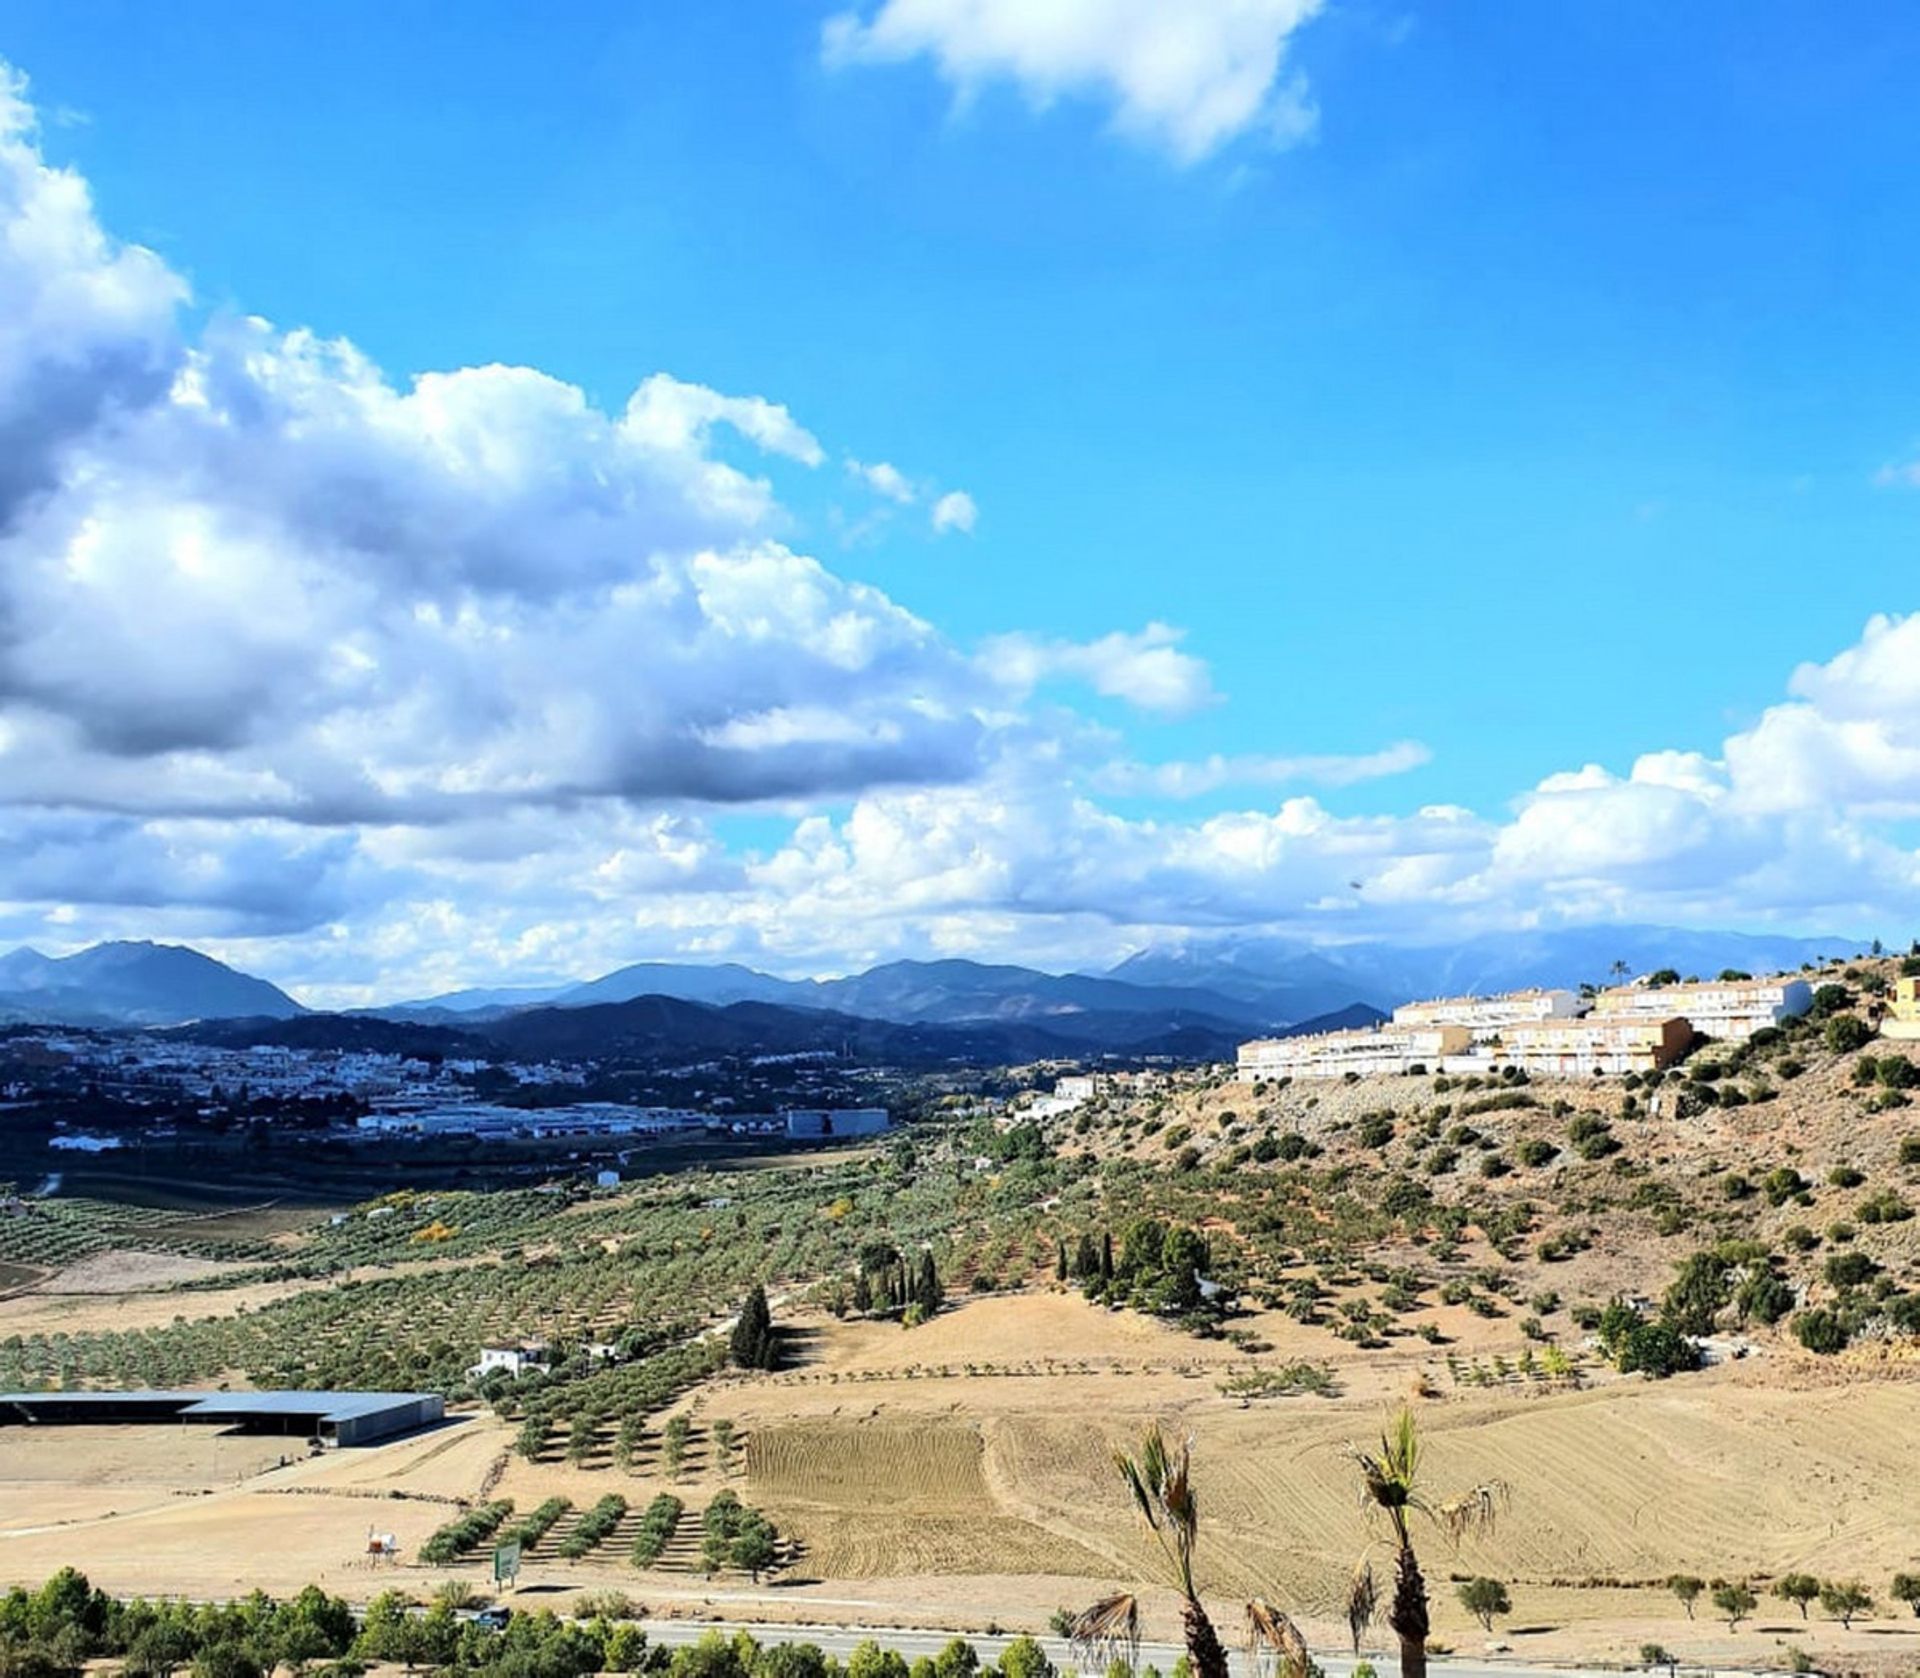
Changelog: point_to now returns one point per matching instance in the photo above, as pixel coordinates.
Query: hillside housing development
(1549, 1033)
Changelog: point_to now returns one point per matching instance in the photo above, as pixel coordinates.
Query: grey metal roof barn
(345, 1418)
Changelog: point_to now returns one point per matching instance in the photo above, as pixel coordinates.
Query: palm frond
(1476, 1511)
(1176, 1493)
(1161, 1482)
(1390, 1477)
(1363, 1601)
(1107, 1630)
(1274, 1643)
(1135, 1476)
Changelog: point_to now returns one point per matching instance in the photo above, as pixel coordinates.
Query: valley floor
(958, 1475)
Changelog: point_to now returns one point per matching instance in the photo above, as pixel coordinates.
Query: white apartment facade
(1486, 1016)
(1391, 1048)
(1731, 1010)
(1593, 1045)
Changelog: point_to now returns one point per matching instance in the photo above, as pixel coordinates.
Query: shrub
(1657, 1349)
(1597, 1144)
(1847, 1032)
(594, 1526)
(466, 1533)
(1699, 1292)
(528, 1531)
(1781, 1185)
(1763, 1298)
(1830, 999)
(1821, 1331)
(657, 1522)
(1850, 1270)
(1896, 1072)
(1375, 1131)
(1885, 1207)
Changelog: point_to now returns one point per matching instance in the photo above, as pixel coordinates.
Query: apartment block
(1486, 1016)
(1332, 1054)
(1594, 1045)
(1731, 1010)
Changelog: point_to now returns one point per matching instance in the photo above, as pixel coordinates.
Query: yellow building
(1902, 1021)
(1594, 1044)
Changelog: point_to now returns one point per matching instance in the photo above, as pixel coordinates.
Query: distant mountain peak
(134, 982)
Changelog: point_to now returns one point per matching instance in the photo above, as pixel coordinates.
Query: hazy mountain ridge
(1281, 970)
(1205, 994)
(134, 984)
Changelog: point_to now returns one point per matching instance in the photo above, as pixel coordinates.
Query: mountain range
(133, 984)
(1191, 996)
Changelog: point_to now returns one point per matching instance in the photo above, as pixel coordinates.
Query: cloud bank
(383, 685)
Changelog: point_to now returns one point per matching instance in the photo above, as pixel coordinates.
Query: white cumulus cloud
(1187, 76)
(383, 684)
(1146, 669)
(955, 511)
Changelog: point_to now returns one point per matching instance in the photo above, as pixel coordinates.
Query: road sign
(506, 1563)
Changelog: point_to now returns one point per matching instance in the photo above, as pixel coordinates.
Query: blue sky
(1545, 405)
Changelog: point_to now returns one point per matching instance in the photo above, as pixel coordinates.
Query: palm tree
(1391, 1486)
(1275, 1648)
(1162, 1485)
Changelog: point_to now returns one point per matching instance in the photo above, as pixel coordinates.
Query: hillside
(651, 1027)
(1795, 1162)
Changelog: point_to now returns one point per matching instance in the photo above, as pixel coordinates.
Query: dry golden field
(949, 1498)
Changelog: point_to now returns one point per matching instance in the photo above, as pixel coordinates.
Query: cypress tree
(927, 1294)
(1060, 1264)
(752, 1342)
(1106, 1257)
(1086, 1258)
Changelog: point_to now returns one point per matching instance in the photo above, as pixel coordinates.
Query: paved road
(912, 1644)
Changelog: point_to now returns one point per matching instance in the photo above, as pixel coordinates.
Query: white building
(509, 1360)
(1731, 1010)
(1485, 1016)
(1592, 1045)
(1332, 1054)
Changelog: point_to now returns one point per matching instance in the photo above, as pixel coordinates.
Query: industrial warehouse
(332, 1418)
(1544, 1033)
